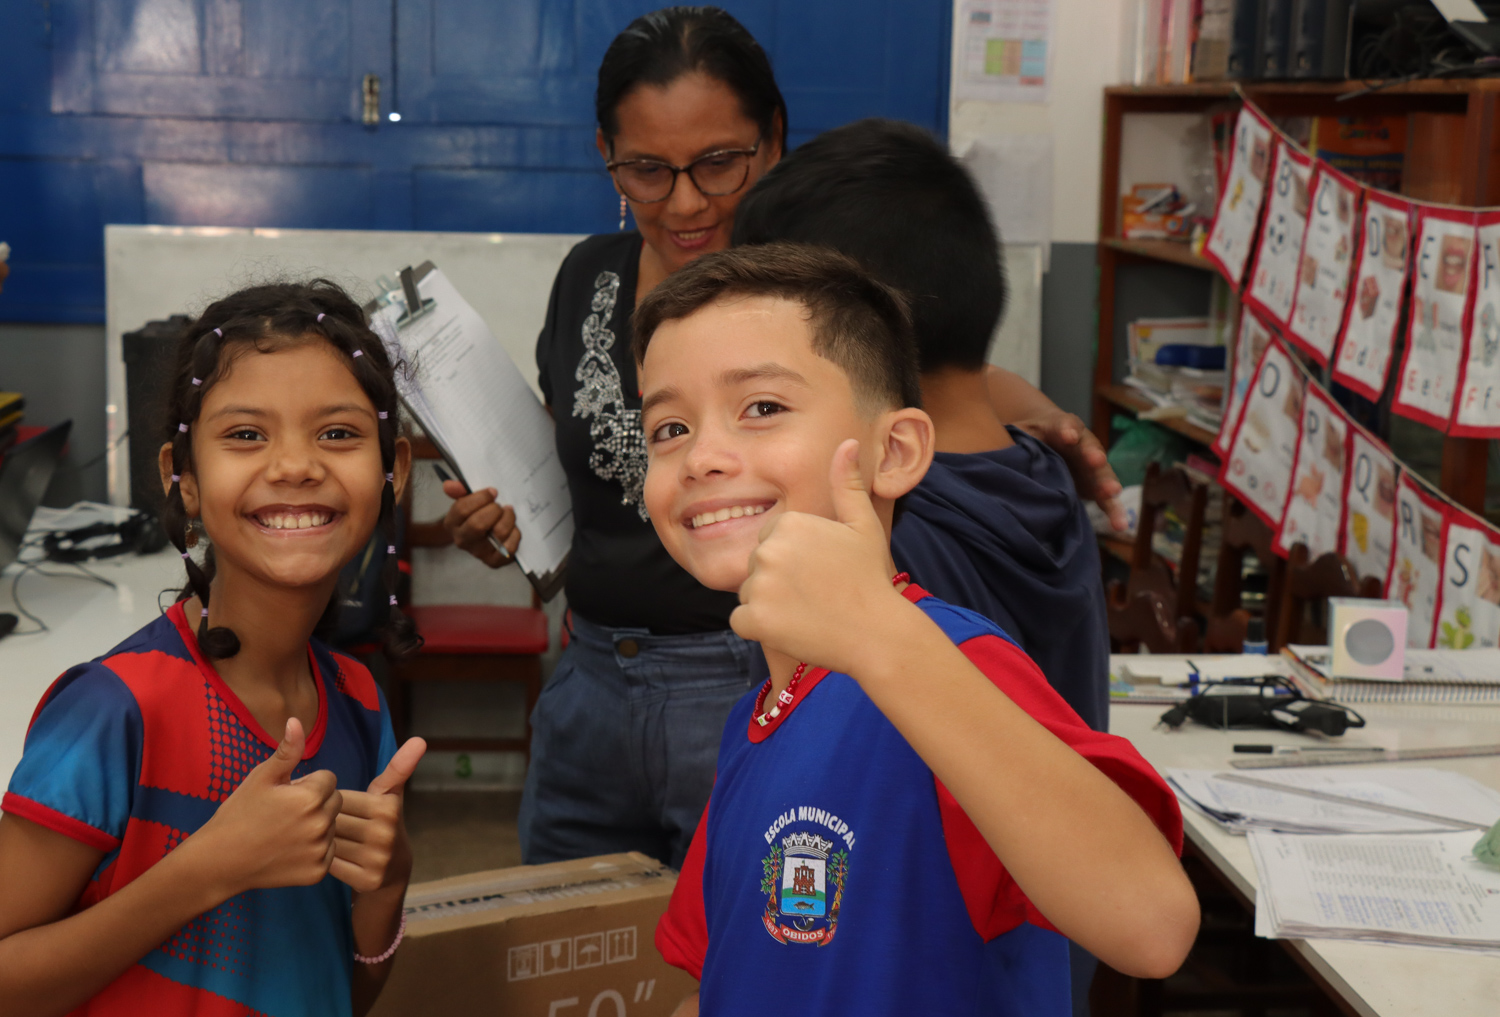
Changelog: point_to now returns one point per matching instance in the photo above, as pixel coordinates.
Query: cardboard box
(570, 939)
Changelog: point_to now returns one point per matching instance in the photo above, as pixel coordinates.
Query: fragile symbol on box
(558, 955)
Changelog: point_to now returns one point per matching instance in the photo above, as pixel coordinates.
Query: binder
(1244, 40)
(1276, 37)
(1320, 39)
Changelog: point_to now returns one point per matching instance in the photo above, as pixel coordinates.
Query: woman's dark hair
(264, 319)
(660, 47)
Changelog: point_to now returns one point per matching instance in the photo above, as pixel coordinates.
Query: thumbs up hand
(370, 849)
(816, 585)
(274, 831)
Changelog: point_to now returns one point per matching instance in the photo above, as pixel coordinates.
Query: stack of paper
(1415, 888)
(1316, 800)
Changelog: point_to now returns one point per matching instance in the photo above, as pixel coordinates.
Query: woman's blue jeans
(625, 739)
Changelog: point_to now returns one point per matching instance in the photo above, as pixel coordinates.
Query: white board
(153, 272)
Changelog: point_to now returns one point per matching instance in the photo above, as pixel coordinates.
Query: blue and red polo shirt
(832, 872)
(133, 752)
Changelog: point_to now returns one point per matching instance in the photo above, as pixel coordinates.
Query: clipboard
(399, 314)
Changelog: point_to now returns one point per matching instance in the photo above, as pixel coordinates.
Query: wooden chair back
(1145, 620)
(1309, 583)
(1243, 531)
(1164, 489)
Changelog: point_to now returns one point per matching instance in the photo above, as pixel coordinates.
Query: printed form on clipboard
(473, 403)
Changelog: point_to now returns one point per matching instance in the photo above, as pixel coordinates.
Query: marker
(444, 476)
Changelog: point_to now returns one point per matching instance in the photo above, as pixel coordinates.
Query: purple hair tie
(185, 556)
(182, 428)
(176, 478)
(219, 332)
(359, 353)
(393, 600)
(205, 612)
(197, 382)
(384, 415)
(390, 478)
(321, 316)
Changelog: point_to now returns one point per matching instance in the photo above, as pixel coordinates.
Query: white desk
(86, 619)
(1380, 981)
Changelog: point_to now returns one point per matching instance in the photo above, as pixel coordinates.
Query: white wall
(1085, 58)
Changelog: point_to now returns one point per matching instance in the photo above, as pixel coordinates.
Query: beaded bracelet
(400, 935)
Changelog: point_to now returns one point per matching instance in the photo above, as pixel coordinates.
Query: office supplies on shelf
(1373, 755)
(1413, 888)
(472, 402)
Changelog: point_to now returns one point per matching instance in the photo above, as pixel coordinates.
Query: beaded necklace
(789, 694)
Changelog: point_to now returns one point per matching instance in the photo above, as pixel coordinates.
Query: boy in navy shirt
(996, 525)
(905, 787)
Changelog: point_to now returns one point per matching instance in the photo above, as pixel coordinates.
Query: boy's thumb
(851, 501)
(278, 769)
(399, 770)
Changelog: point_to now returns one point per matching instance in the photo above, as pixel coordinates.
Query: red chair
(467, 643)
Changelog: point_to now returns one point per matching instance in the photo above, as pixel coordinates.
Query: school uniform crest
(803, 879)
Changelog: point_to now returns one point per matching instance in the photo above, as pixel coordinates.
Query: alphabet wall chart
(1253, 338)
(1273, 278)
(1369, 507)
(1469, 599)
(1315, 506)
(1336, 270)
(1232, 233)
(1327, 253)
(1478, 412)
(1436, 319)
(1374, 314)
(1258, 469)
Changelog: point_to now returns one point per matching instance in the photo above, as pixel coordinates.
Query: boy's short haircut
(889, 195)
(858, 322)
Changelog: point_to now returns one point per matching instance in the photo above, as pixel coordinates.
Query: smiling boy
(906, 786)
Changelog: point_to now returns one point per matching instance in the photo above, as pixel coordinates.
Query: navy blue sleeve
(82, 758)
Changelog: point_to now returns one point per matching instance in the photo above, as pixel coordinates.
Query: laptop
(25, 472)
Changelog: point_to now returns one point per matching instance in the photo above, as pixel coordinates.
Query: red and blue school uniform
(133, 752)
(833, 874)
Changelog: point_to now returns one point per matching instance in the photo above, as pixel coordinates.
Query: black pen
(444, 477)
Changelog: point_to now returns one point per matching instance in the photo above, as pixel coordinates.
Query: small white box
(1368, 638)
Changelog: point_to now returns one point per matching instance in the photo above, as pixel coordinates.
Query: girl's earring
(622, 212)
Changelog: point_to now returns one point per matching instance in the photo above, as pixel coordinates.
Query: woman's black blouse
(619, 574)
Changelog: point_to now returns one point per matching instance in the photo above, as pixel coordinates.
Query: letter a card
(1416, 558)
(1440, 301)
(1369, 507)
(1469, 602)
(1273, 277)
(1327, 254)
(1258, 469)
(1316, 505)
(1478, 412)
(1249, 343)
(1232, 232)
(1374, 312)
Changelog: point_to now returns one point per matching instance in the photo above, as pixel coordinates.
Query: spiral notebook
(1432, 676)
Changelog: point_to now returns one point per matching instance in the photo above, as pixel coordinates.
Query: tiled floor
(457, 832)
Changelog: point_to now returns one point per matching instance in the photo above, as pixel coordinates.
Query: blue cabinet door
(248, 113)
(219, 59)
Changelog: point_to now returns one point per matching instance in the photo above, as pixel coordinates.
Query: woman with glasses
(626, 733)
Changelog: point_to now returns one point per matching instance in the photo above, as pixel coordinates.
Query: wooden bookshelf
(1453, 156)
(1175, 251)
(1127, 398)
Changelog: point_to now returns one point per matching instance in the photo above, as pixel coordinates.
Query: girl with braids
(208, 818)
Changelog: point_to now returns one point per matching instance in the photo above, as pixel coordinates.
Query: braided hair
(266, 318)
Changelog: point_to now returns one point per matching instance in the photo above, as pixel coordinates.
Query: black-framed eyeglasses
(647, 181)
